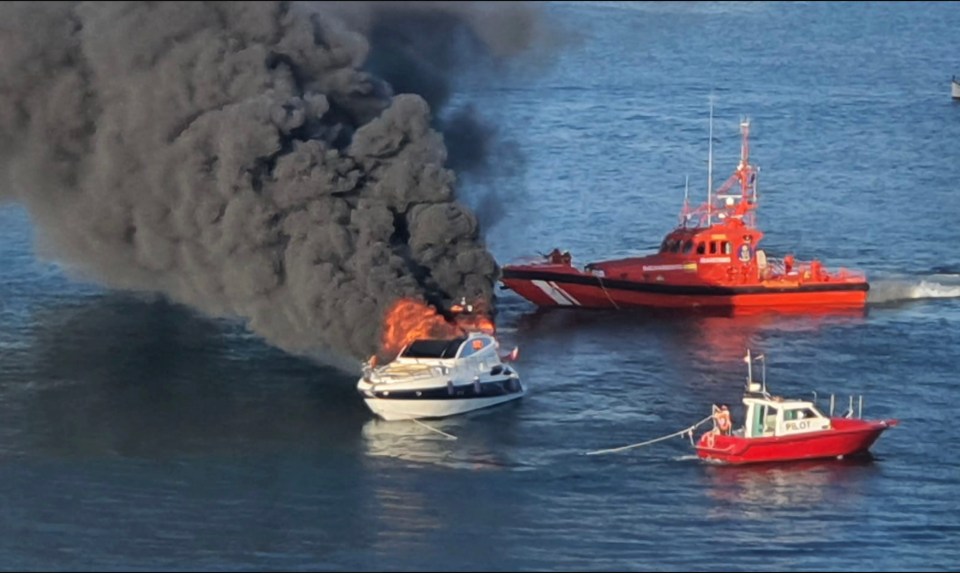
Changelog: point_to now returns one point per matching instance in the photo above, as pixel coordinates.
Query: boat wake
(940, 285)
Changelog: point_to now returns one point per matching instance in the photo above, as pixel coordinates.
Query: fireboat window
(430, 348)
(713, 247)
(674, 245)
(687, 246)
(701, 248)
(726, 248)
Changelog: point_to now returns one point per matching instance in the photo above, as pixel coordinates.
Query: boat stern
(544, 283)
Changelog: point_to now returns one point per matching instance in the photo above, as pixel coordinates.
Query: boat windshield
(431, 348)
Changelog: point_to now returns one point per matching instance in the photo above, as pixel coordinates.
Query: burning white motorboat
(435, 378)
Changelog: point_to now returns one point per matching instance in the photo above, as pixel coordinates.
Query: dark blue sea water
(137, 435)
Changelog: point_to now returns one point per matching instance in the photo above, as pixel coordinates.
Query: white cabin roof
(778, 402)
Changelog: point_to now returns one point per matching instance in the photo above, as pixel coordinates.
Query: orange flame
(476, 321)
(409, 319)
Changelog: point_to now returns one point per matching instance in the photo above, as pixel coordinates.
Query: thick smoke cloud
(427, 48)
(252, 159)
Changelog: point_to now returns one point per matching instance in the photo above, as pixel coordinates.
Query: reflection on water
(753, 491)
(726, 336)
(713, 335)
(113, 375)
(408, 441)
(478, 445)
(685, 351)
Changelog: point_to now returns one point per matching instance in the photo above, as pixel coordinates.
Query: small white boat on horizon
(436, 378)
(955, 87)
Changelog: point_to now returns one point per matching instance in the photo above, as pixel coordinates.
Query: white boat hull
(955, 90)
(400, 409)
(436, 378)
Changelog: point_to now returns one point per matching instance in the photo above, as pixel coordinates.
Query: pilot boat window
(770, 421)
(726, 248)
(701, 248)
(799, 414)
(674, 246)
(687, 246)
(764, 422)
(713, 247)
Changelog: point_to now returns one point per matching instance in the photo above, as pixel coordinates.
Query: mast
(756, 181)
(745, 142)
(747, 176)
(686, 202)
(745, 157)
(763, 373)
(710, 169)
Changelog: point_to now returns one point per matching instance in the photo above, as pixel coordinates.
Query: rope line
(655, 440)
(432, 429)
(602, 286)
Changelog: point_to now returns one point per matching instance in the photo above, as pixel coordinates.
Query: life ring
(711, 439)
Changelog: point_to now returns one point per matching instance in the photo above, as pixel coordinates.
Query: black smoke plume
(281, 163)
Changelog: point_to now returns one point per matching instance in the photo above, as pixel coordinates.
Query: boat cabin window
(799, 414)
(726, 248)
(701, 248)
(432, 348)
(687, 246)
(674, 246)
(764, 422)
(473, 346)
(713, 247)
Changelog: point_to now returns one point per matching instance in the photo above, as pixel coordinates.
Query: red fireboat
(711, 259)
(777, 429)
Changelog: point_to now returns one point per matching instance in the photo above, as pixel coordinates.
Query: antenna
(686, 201)
(745, 143)
(743, 169)
(763, 373)
(756, 182)
(751, 385)
(710, 169)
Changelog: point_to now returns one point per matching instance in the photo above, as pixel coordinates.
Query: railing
(803, 271)
(849, 413)
(776, 266)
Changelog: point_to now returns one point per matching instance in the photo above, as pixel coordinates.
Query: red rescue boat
(711, 259)
(778, 429)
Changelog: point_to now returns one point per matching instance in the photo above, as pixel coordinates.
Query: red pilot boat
(711, 259)
(779, 429)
